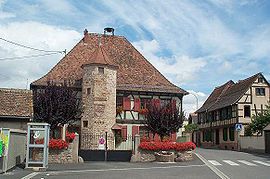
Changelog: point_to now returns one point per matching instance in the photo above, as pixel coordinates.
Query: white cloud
(14, 73)
(181, 71)
(190, 101)
(258, 42)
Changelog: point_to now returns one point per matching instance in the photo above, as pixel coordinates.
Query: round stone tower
(98, 99)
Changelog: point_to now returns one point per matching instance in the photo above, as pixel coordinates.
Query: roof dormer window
(260, 80)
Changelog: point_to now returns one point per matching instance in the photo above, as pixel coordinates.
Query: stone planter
(184, 156)
(164, 156)
(174, 156)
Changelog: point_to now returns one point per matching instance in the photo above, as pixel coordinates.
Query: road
(210, 164)
(238, 165)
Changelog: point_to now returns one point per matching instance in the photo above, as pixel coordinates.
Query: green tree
(191, 127)
(260, 121)
(248, 131)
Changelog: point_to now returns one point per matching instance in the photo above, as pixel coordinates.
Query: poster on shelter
(4, 138)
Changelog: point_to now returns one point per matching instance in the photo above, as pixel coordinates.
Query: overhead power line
(29, 56)
(32, 48)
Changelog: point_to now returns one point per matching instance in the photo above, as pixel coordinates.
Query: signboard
(101, 143)
(238, 127)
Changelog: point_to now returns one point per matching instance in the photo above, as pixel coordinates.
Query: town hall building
(115, 82)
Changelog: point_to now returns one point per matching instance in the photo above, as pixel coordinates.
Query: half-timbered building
(115, 81)
(230, 104)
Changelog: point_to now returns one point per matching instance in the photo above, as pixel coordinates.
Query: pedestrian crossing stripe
(247, 163)
(263, 163)
(214, 162)
(232, 163)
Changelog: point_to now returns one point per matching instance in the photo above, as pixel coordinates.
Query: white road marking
(214, 162)
(120, 169)
(230, 162)
(263, 163)
(31, 175)
(247, 163)
(212, 167)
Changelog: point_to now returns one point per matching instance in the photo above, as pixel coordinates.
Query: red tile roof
(99, 56)
(15, 103)
(134, 72)
(227, 94)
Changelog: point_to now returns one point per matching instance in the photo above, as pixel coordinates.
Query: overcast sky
(197, 45)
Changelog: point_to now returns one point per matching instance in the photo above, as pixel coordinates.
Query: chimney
(109, 30)
(85, 33)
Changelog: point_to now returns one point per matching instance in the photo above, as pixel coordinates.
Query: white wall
(252, 143)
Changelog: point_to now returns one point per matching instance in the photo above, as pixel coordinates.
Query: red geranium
(57, 144)
(167, 146)
(70, 136)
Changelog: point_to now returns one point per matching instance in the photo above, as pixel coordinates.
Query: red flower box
(70, 136)
(58, 144)
(154, 146)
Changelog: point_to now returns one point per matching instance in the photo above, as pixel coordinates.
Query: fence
(111, 141)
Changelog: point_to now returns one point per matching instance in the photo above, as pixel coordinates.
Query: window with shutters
(137, 104)
(135, 130)
(124, 133)
(126, 104)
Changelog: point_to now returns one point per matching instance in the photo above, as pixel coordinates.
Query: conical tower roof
(100, 57)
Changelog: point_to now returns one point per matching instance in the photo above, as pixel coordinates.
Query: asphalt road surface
(210, 164)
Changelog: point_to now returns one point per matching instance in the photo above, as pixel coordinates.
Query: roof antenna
(99, 40)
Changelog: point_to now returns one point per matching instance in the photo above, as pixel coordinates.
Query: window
(231, 133)
(85, 123)
(246, 111)
(260, 80)
(225, 134)
(260, 91)
(229, 115)
(101, 70)
(164, 102)
(234, 111)
(119, 101)
(88, 91)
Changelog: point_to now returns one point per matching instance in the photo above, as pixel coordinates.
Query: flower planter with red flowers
(165, 151)
(60, 151)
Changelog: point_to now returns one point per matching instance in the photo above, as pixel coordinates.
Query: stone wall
(151, 156)
(99, 104)
(69, 155)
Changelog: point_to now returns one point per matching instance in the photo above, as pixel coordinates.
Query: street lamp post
(197, 100)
